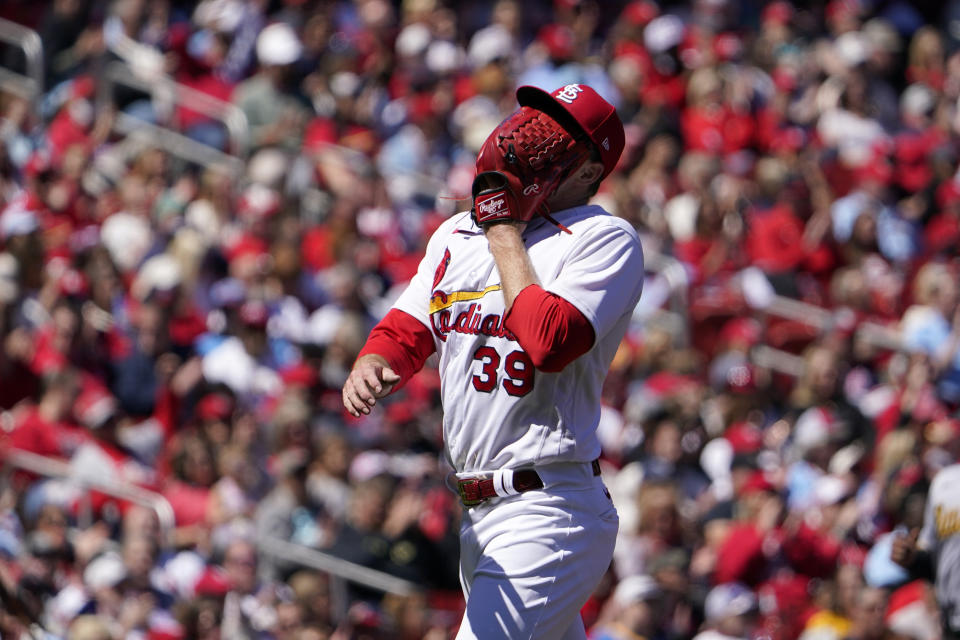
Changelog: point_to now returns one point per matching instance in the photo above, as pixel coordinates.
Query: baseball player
(525, 299)
(933, 552)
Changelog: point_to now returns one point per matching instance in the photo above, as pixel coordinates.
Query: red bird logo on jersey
(441, 268)
(470, 321)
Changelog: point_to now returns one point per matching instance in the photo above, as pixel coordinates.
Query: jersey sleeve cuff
(403, 341)
(552, 331)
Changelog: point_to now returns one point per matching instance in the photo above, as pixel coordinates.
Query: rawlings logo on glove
(492, 198)
(493, 206)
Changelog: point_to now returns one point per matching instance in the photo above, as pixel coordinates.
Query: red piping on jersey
(403, 341)
(552, 331)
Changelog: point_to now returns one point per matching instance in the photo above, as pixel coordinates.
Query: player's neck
(568, 203)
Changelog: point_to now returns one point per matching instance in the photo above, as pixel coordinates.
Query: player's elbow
(551, 331)
(550, 363)
(555, 358)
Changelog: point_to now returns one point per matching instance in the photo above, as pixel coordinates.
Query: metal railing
(809, 314)
(881, 336)
(675, 275)
(53, 468)
(28, 85)
(824, 320)
(168, 94)
(777, 360)
(676, 317)
(816, 317)
(339, 570)
(352, 572)
(162, 88)
(176, 144)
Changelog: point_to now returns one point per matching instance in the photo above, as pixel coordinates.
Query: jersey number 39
(517, 367)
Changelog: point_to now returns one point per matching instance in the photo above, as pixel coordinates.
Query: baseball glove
(521, 164)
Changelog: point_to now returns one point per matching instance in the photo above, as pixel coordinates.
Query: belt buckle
(469, 490)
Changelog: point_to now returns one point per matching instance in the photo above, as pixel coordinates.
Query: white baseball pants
(529, 562)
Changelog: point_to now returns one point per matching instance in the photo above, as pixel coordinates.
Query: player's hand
(371, 379)
(904, 547)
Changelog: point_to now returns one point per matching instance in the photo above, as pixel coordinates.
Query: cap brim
(593, 120)
(537, 98)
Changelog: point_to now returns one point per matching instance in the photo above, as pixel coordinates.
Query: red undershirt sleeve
(552, 331)
(403, 341)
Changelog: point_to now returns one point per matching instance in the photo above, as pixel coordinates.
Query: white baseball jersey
(499, 412)
(940, 536)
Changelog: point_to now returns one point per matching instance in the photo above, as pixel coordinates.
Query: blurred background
(205, 206)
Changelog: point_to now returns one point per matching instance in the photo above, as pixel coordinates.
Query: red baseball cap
(558, 39)
(877, 170)
(94, 406)
(214, 406)
(778, 12)
(579, 106)
(744, 437)
(756, 483)
(842, 9)
(212, 582)
(640, 12)
(254, 314)
(299, 375)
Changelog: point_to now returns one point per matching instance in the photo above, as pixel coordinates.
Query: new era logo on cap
(596, 117)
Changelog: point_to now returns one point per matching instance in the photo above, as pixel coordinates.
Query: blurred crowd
(180, 305)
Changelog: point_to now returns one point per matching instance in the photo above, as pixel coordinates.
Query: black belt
(475, 490)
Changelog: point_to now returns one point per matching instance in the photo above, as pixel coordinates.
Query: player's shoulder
(949, 476)
(457, 223)
(595, 218)
(593, 223)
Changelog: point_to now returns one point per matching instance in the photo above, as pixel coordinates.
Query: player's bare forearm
(370, 379)
(513, 261)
